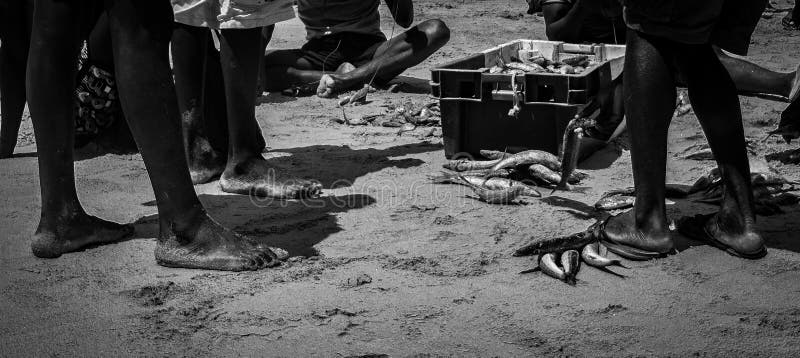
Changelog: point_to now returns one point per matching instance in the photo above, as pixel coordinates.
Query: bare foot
(50, 241)
(205, 163)
(622, 229)
(255, 177)
(208, 245)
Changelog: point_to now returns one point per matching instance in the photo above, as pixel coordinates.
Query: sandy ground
(395, 266)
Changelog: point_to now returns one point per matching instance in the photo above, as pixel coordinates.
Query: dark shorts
(728, 24)
(331, 51)
(735, 27)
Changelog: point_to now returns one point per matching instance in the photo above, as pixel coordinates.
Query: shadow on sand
(293, 225)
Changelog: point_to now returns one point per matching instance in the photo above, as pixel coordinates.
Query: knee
(436, 31)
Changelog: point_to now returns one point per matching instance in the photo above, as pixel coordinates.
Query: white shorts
(232, 14)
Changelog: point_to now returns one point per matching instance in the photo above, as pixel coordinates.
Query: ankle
(185, 223)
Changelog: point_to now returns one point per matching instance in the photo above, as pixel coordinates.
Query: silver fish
(529, 157)
(544, 174)
(547, 263)
(591, 255)
(569, 158)
(571, 262)
(491, 183)
(557, 244)
(461, 165)
(499, 196)
(615, 202)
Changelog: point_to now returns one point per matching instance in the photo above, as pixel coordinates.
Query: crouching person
(346, 47)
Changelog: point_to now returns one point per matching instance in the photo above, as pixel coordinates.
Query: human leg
(64, 226)
(15, 31)
(716, 104)
(649, 101)
(247, 172)
(140, 32)
(749, 77)
(189, 46)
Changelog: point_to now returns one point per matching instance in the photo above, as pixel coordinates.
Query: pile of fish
(406, 117)
(770, 191)
(569, 251)
(520, 172)
(539, 64)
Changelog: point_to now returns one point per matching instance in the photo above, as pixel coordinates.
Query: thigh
(288, 58)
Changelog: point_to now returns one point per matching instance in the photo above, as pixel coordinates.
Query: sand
(387, 264)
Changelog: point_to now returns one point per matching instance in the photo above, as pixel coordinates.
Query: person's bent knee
(437, 32)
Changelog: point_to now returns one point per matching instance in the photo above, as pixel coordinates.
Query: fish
(615, 202)
(571, 263)
(461, 165)
(491, 183)
(544, 174)
(702, 154)
(529, 157)
(569, 158)
(676, 191)
(531, 67)
(576, 60)
(558, 244)
(496, 196)
(505, 173)
(711, 179)
(591, 255)
(548, 265)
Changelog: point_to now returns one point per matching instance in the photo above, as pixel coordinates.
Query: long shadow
(293, 225)
(339, 166)
(780, 231)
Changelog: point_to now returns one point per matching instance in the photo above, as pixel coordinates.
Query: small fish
(491, 183)
(591, 255)
(548, 265)
(499, 196)
(462, 165)
(529, 157)
(558, 244)
(569, 158)
(702, 154)
(576, 60)
(571, 262)
(532, 67)
(676, 191)
(615, 202)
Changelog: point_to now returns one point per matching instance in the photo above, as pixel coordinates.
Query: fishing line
(391, 35)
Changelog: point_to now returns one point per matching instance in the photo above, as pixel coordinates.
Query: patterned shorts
(97, 104)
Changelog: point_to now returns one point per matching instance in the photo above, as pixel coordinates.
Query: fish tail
(619, 263)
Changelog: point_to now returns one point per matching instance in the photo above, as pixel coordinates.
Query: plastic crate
(475, 104)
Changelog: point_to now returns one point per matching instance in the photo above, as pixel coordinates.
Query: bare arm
(402, 12)
(563, 22)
